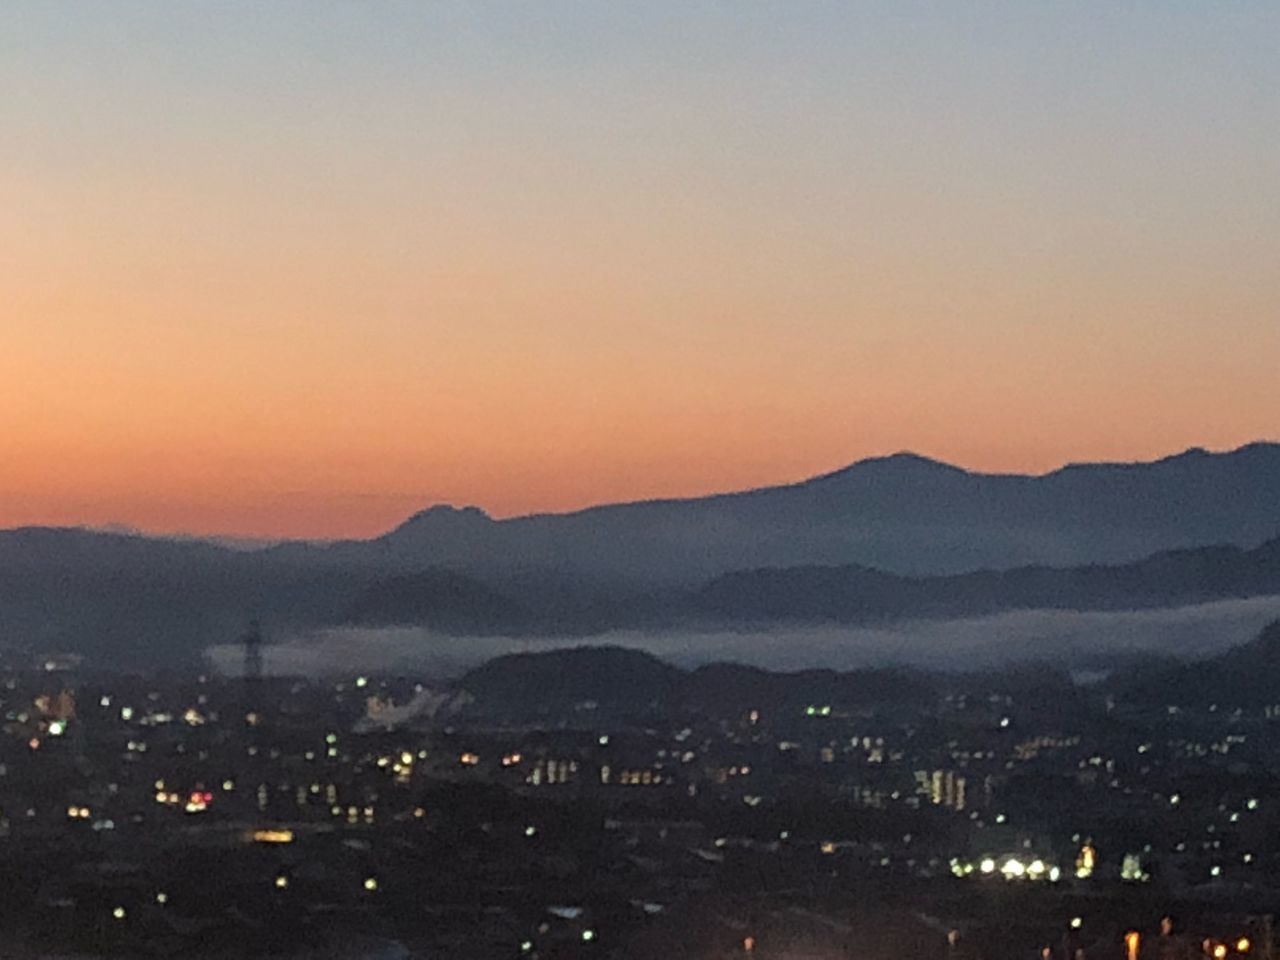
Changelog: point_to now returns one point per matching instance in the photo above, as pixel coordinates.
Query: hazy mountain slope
(859, 594)
(136, 601)
(856, 595)
(611, 680)
(439, 599)
(126, 596)
(904, 514)
(1249, 674)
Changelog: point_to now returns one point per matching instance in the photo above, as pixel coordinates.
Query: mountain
(903, 514)
(888, 537)
(441, 600)
(134, 601)
(1248, 675)
(859, 594)
(613, 680)
(812, 594)
(526, 684)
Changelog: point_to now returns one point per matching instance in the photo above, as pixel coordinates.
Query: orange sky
(256, 284)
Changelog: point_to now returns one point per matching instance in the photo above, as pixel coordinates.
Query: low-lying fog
(1082, 641)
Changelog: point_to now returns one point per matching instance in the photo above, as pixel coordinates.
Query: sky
(300, 269)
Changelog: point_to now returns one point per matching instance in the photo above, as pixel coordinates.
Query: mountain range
(902, 514)
(612, 680)
(894, 537)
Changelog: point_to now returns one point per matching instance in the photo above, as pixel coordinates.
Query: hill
(886, 538)
(903, 514)
(858, 594)
(1246, 676)
(615, 680)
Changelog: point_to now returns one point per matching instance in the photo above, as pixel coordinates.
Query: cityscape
(517, 811)
(639, 480)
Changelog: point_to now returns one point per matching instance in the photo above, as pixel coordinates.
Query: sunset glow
(285, 275)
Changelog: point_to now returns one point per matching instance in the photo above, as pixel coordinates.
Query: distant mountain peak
(910, 458)
(904, 462)
(444, 516)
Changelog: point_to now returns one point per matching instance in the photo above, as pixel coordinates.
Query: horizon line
(249, 542)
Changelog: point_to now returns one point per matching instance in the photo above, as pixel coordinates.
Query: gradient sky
(302, 268)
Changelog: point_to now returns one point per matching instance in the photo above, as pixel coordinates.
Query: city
(984, 816)
(639, 480)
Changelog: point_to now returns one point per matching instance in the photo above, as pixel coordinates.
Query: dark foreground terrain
(598, 803)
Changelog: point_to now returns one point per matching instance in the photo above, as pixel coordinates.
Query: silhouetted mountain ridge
(904, 513)
(617, 680)
(885, 538)
(613, 680)
(1247, 675)
(440, 600)
(860, 594)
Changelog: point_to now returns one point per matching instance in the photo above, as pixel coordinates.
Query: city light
(1086, 861)
(550, 359)
(272, 836)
